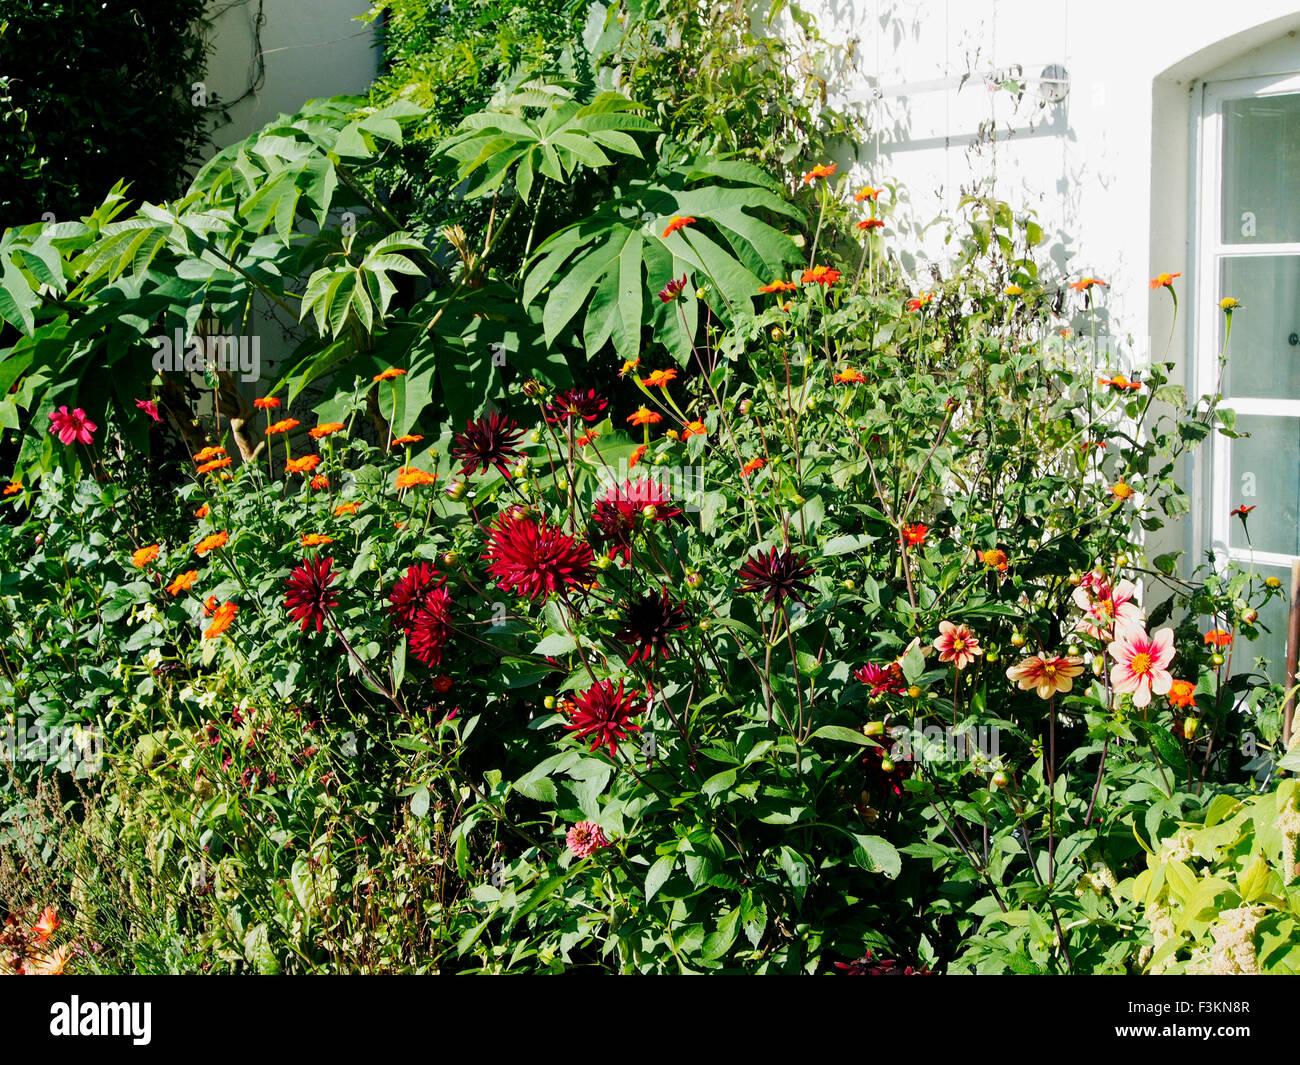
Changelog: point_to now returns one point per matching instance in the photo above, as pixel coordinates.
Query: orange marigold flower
(1121, 490)
(914, 535)
(695, 428)
(822, 275)
(214, 465)
(306, 464)
(410, 477)
(315, 539)
(209, 453)
(659, 378)
(871, 223)
(409, 438)
(1164, 281)
(12, 487)
(142, 557)
(328, 429)
(1085, 283)
(823, 170)
(1218, 638)
(867, 193)
(637, 456)
(779, 286)
(388, 374)
(346, 508)
(644, 416)
(1182, 694)
(183, 582)
(320, 481)
(629, 366)
(267, 403)
(221, 619)
(203, 511)
(211, 543)
(752, 466)
(850, 376)
(282, 426)
(675, 223)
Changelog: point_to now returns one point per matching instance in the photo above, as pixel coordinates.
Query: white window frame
(1214, 495)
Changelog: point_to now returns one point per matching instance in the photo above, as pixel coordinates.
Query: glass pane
(1266, 475)
(1271, 645)
(1263, 363)
(1261, 170)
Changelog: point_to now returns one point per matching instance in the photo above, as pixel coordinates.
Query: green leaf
(658, 874)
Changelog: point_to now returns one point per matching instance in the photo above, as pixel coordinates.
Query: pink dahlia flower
(957, 644)
(72, 426)
(1109, 611)
(1142, 663)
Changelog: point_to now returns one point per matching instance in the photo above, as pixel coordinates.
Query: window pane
(1262, 361)
(1266, 475)
(1261, 170)
(1271, 645)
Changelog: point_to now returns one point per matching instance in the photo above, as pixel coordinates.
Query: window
(1248, 247)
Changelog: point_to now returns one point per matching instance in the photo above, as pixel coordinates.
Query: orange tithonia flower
(203, 511)
(752, 466)
(917, 302)
(209, 452)
(637, 456)
(142, 558)
(1048, 676)
(267, 403)
(867, 193)
(914, 535)
(46, 925)
(282, 426)
(409, 438)
(850, 376)
(346, 508)
(1122, 490)
(586, 438)
(328, 429)
(221, 619)
(823, 170)
(183, 582)
(1085, 283)
(675, 223)
(779, 286)
(214, 465)
(211, 543)
(822, 275)
(320, 481)
(1182, 693)
(995, 557)
(410, 477)
(1119, 383)
(659, 378)
(1164, 281)
(306, 464)
(388, 374)
(12, 487)
(210, 605)
(871, 223)
(1218, 638)
(644, 416)
(629, 366)
(315, 539)
(695, 428)
(957, 644)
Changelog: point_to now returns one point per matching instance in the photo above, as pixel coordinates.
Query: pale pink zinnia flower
(586, 838)
(1109, 610)
(1048, 675)
(71, 426)
(957, 644)
(1142, 663)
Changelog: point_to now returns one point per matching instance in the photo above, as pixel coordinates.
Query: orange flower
(46, 925)
(779, 286)
(346, 508)
(12, 487)
(209, 453)
(281, 426)
(850, 376)
(823, 170)
(203, 511)
(210, 605)
(211, 543)
(53, 963)
(1119, 382)
(183, 582)
(822, 275)
(1085, 283)
(659, 378)
(675, 223)
(752, 466)
(867, 193)
(214, 465)
(306, 464)
(871, 223)
(1218, 638)
(587, 437)
(914, 534)
(645, 416)
(410, 477)
(142, 558)
(1164, 281)
(221, 619)
(409, 438)
(328, 429)
(1121, 490)
(995, 557)
(267, 403)
(629, 366)
(320, 481)
(315, 539)
(1182, 693)
(695, 428)
(917, 302)
(388, 374)
(637, 456)
(1241, 512)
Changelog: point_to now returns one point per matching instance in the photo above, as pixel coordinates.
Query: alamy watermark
(75, 749)
(228, 352)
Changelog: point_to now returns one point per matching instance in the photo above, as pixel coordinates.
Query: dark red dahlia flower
(602, 712)
(308, 598)
(427, 634)
(407, 597)
(883, 680)
(616, 512)
(870, 965)
(647, 624)
(490, 441)
(532, 558)
(574, 403)
(780, 574)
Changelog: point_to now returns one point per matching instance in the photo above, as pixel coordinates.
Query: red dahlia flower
(647, 624)
(575, 403)
(407, 597)
(490, 441)
(427, 635)
(882, 680)
(602, 712)
(780, 574)
(308, 598)
(616, 512)
(672, 290)
(532, 558)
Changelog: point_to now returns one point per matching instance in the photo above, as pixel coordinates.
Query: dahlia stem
(370, 674)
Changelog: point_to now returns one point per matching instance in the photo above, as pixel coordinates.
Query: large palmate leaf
(612, 264)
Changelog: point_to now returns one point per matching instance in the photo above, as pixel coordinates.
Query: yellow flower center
(1140, 663)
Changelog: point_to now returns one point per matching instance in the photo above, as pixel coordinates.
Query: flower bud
(873, 728)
